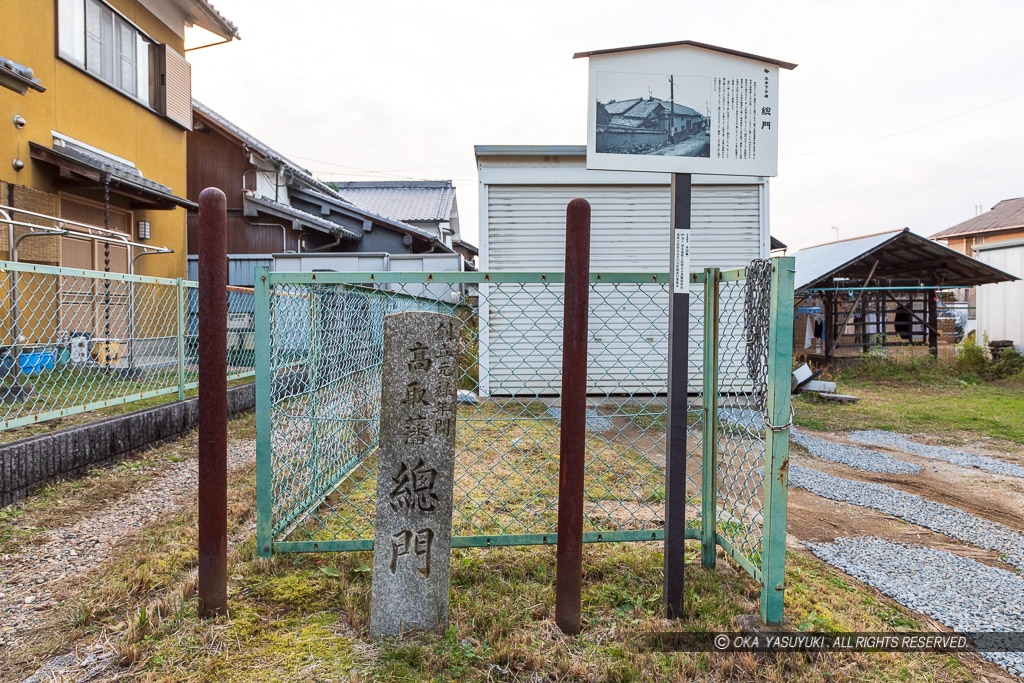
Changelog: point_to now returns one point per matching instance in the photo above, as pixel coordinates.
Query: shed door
(629, 233)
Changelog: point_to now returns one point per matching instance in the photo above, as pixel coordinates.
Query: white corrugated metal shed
(1000, 312)
(524, 192)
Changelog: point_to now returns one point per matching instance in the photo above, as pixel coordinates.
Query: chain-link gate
(318, 367)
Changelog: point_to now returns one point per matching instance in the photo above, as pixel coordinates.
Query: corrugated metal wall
(241, 268)
(630, 233)
(1000, 312)
(629, 226)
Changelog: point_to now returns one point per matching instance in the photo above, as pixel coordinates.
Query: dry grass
(65, 502)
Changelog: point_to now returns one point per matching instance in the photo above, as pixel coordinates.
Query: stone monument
(416, 459)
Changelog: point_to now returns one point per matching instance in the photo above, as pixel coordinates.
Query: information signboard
(683, 108)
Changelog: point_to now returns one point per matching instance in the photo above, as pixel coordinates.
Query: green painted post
(776, 481)
(181, 338)
(264, 531)
(709, 431)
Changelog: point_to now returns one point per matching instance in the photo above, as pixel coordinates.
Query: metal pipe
(62, 221)
(572, 446)
(325, 247)
(213, 413)
(15, 313)
(131, 300)
(284, 230)
(853, 309)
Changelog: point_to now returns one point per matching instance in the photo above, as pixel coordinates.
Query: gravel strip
(903, 443)
(963, 594)
(945, 519)
(853, 456)
(595, 421)
(28, 578)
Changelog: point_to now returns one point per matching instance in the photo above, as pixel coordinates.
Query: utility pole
(671, 108)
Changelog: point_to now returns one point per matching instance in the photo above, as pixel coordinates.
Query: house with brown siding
(276, 206)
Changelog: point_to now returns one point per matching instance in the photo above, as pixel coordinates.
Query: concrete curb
(68, 453)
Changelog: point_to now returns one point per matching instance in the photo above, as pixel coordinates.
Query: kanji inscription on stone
(416, 458)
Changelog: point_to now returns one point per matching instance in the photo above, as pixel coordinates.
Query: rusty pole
(569, 560)
(213, 405)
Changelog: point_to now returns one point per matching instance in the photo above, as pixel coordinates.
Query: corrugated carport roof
(903, 259)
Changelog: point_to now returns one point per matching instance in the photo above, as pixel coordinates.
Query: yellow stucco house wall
(85, 108)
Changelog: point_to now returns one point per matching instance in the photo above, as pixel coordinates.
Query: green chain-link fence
(318, 365)
(78, 340)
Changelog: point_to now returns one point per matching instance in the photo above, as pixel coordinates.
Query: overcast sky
(900, 113)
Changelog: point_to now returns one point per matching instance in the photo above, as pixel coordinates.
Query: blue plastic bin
(36, 361)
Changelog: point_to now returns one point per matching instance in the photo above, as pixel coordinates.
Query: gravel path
(30, 578)
(962, 593)
(945, 519)
(903, 443)
(853, 456)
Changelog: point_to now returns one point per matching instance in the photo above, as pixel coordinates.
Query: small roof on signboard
(691, 43)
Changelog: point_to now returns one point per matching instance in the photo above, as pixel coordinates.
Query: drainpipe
(284, 230)
(326, 246)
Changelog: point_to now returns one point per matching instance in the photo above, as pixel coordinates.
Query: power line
(908, 130)
(387, 173)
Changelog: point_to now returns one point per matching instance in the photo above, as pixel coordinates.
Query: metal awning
(77, 166)
(902, 257)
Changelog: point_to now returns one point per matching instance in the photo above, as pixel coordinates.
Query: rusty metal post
(572, 451)
(213, 404)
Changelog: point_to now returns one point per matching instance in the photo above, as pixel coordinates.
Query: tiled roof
(303, 216)
(346, 206)
(680, 108)
(621, 106)
(259, 146)
(1008, 213)
(214, 21)
(627, 122)
(646, 108)
(403, 201)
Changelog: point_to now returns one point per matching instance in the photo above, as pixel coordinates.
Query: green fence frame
(185, 380)
(769, 575)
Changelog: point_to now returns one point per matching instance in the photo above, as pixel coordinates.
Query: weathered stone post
(416, 460)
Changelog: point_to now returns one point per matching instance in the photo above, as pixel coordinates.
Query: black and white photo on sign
(660, 114)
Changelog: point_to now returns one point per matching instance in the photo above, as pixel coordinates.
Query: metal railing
(74, 340)
(318, 374)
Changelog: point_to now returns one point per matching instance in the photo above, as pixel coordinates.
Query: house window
(96, 38)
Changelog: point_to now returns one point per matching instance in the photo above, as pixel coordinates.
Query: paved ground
(687, 148)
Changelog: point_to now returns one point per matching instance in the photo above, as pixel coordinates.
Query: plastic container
(36, 361)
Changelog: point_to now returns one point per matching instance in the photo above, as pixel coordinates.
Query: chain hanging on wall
(756, 320)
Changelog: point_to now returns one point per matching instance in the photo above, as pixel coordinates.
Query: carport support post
(933, 322)
(213, 405)
(675, 435)
(776, 447)
(573, 441)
